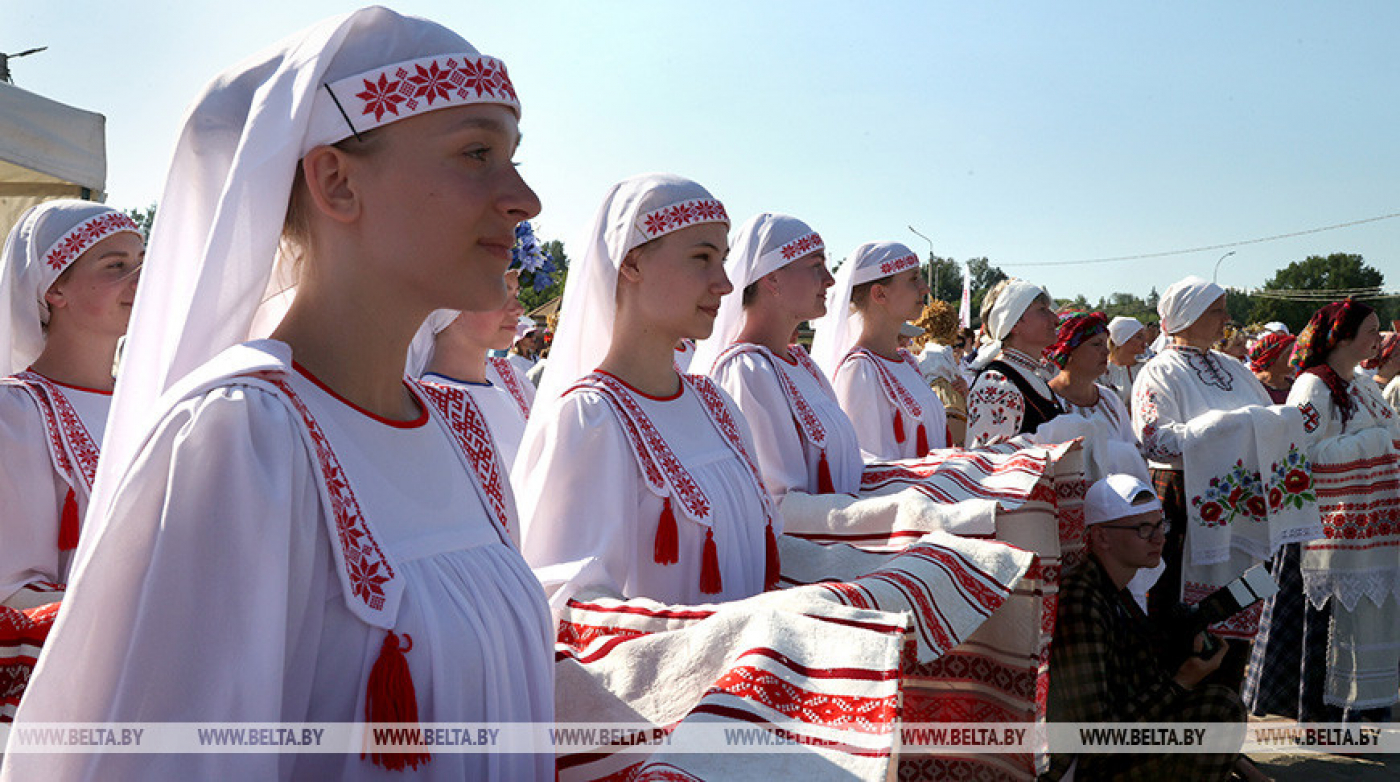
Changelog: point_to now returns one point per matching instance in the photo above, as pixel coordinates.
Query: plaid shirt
(1104, 666)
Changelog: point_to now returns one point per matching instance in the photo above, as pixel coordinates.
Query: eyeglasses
(1144, 530)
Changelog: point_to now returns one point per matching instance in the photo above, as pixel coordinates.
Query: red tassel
(921, 441)
(389, 697)
(68, 523)
(710, 583)
(667, 548)
(772, 565)
(898, 426)
(824, 483)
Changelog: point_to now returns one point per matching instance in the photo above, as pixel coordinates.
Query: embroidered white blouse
(33, 491)
(216, 595)
(789, 459)
(995, 406)
(505, 399)
(1179, 384)
(582, 495)
(887, 401)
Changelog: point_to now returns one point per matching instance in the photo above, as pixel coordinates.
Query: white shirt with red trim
(33, 489)
(861, 388)
(582, 495)
(216, 593)
(501, 407)
(1179, 384)
(787, 457)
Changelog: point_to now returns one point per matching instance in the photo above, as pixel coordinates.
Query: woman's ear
(329, 182)
(629, 269)
(54, 297)
(879, 294)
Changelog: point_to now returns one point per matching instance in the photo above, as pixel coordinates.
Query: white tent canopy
(47, 150)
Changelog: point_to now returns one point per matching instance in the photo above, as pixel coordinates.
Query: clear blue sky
(1024, 132)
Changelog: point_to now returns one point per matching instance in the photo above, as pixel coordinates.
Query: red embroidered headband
(897, 265)
(802, 245)
(84, 235)
(677, 216)
(393, 92)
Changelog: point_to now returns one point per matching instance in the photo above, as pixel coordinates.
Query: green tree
(1338, 271)
(145, 218)
(944, 277)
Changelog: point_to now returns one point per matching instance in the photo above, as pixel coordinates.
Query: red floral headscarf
(1328, 326)
(1075, 329)
(1389, 345)
(1267, 349)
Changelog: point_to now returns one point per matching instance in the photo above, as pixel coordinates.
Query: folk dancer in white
(286, 530)
(633, 477)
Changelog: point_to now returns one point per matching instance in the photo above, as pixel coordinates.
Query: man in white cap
(1104, 660)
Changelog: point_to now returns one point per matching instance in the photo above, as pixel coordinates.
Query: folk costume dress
(259, 550)
(1118, 377)
(895, 413)
(1010, 395)
(804, 441)
(505, 400)
(50, 435)
(640, 495)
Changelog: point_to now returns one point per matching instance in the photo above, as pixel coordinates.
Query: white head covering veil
(424, 344)
(1006, 312)
(1185, 301)
(764, 244)
(634, 212)
(213, 256)
(838, 330)
(48, 238)
(1122, 328)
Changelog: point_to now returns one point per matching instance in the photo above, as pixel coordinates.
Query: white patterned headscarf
(1013, 301)
(634, 212)
(838, 330)
(213, 259)
(48, 238)
(763, 245)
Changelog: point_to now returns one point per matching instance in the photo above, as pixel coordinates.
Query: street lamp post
(932, 266)
(1216, 273)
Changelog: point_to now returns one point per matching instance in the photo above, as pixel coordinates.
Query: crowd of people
(321, 498)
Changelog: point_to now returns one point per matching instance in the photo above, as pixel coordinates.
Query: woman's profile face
(1038, 327)
(905, 294)
(1367, 342)
(802, 285)
(494, 329)
(95, 294)
(1090, 358)
(680, 280)
(440, 198)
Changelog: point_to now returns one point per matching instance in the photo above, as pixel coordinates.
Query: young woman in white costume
(804, 440)
(1011, 394)
(69, 279)
(286, 530)
(639, 475)
(895, 413)
(1127, 340)
(460, 358)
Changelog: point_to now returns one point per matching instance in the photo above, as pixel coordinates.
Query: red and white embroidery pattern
(511, 381)
(72, 448)
(1311, 420)
(897, 265)
(807, 705)
(366, 565)
(802, 245)
(802, 412)
(85, 235)
(708, 392)
(678, 216)
(895, 391)
(660, 467)
(468, 426)
(414, 86)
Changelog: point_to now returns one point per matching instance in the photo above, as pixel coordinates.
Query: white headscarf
(764, 244)
(1185, 301)
(214, 249)
(838, 330)
(46, 240)
(424, 344)
(1121, 329)
(634, 212)
(1006, 312)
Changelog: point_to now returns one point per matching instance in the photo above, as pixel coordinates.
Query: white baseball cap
(1117, 497)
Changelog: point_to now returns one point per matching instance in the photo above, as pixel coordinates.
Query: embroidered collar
(1020, 360)
(895, 391)
(1208, 368)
